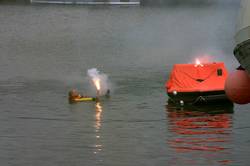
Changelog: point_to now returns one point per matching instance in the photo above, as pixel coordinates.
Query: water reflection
(200, 135)
(97, 125)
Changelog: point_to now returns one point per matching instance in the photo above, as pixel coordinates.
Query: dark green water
(45, 50)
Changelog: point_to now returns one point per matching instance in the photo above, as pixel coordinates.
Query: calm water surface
(45, 50)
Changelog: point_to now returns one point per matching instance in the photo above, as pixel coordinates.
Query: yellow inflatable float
(84, 99)
(74, 96)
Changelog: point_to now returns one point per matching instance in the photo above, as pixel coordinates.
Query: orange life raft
(197, 83)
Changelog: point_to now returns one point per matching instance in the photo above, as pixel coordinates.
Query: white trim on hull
(242, 37)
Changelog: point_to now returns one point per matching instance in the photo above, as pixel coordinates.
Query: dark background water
(45, 50)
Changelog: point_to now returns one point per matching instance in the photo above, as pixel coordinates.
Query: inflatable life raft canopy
(197, 78)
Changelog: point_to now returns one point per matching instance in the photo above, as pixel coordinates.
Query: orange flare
(198, 63)
(97, 83)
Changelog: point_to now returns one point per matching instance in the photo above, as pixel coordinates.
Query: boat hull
(198, 97)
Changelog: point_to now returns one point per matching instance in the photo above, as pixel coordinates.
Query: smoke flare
(100, 81)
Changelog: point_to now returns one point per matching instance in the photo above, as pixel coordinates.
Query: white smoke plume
(105, 85)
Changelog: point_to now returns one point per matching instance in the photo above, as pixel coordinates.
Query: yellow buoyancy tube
(74, 96)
